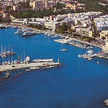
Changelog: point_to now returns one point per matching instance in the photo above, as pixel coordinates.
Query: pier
(9, 67)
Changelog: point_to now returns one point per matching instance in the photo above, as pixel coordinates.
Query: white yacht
(90, 51)
(26, 34)
(63, 50)
(43, 60)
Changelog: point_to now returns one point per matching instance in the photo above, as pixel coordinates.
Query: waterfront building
(52, 25)
(84, 31)
(105, 47)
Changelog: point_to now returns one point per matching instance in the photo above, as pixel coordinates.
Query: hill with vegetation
(93, 5)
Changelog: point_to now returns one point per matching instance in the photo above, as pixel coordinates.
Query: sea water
(78, 83)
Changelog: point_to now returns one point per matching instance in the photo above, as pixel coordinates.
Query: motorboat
(63, 50)
(90, 51)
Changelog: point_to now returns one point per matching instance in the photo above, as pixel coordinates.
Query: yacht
(19, 31)
(26, 34)
(63, 50)
(90, 51)
(2, 26)
(22, 30)
(98, 62)
(43, 60)
(79, 56)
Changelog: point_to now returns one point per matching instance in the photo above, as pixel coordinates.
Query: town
(73, 20)
(35, 25)
(64, 17)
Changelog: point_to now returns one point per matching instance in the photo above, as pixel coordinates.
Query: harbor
(76, 77)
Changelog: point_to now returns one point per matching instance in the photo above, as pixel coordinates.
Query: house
(52, 25)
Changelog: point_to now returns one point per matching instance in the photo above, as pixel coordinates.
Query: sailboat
(5, 53)
(62, 49)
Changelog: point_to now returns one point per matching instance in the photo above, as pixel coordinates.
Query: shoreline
(61, 35)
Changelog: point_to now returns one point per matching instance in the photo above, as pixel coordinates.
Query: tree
(60, 5)
(1, 19)
(63, 28)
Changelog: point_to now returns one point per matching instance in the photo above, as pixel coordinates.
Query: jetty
(70, 41)
(63, 41)
(26, 64)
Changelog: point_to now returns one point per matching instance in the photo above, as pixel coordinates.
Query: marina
(26, 64)
(26, 32)
(56, 87)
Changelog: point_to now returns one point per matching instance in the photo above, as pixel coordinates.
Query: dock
(63, 41)
(10, 67)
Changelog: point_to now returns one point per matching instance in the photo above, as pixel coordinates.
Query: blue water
(78, 83)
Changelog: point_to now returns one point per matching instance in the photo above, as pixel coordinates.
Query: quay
(70, 41)
(63, 41)
(9, 67)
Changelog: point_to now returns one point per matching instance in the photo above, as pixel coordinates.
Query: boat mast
(9, 47)
(58, 60)
(21, 57)
(18, 58)
(11, 57)
(24, 56)
(4, 50)
(1, 48)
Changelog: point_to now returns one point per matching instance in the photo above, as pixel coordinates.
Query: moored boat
(43, 60)
(63, 50)
(26, 34)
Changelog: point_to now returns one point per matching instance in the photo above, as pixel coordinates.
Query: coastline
(61, 35)
(45, 31)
